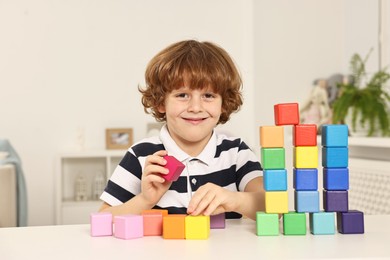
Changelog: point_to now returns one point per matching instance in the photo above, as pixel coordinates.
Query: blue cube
(335, 157)
(307, 201)
(322, 223)
(336, 178)
(275, 180)
(334, 135)
(305, 179)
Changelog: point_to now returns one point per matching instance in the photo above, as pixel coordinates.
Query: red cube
(286, 114)
(175, 168)
(305, 135)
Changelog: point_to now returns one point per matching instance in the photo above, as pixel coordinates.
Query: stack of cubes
(336, 179)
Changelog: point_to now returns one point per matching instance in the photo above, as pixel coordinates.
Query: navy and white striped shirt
(225, 161)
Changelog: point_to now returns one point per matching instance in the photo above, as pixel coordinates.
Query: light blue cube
(307, 201)
(322, 223)
(275, 180)
(335, 157)
(334, 135)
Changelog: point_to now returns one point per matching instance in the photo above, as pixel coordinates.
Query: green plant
(366, 101)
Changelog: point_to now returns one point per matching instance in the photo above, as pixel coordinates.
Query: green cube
(322, 223)
(273, 158)
(267, 224)
(294, 223)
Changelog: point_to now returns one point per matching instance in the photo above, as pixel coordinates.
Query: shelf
(93, 153)
(375, 142)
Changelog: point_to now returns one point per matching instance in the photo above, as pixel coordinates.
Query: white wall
(74, 66)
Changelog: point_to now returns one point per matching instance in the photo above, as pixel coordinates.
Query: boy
(192, 86)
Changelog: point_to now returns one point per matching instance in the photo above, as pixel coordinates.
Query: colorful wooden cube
(197, 227)
(294, 223)
(351, 222)
(174, 226)
(286, 114)
(153, 223)
(322, 223)
(267, 224)
(129, 226)
(271, 136)
(305, 135)
(336, 178)
(335, 200)
(217, 221)
(335, 157)
(276, 201)
(275, 180)
(305, 179)
(101, 224)
(334, 135)
(307, 201)
(175, 168)
(305, 157)
(273, 158)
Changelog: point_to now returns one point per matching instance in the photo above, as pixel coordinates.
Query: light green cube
(273, 158)
(294, 223)
(267, 224)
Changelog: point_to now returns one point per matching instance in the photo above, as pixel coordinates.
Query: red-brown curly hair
(198, 64)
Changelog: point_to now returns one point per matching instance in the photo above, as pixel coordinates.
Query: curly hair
(198, 64)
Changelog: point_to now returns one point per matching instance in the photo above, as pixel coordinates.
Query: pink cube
(175, 168)
(129, 226)
(153, 222)
(101, 224)
(217, 221)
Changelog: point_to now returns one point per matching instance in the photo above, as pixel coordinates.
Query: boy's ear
(161, 109)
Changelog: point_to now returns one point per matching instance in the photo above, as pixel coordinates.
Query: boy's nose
(195, 105)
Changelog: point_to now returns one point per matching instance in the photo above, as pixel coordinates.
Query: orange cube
(174, 226)
(272, 136)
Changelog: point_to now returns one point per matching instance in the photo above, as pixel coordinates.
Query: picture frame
(119, 138)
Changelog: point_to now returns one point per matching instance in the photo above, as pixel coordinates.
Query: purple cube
(217, 221)
(335, 200)
(351, 222)
(101, 224)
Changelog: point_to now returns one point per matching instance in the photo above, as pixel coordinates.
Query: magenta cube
(175, 168)
(101, 224)
(129, 226)
(217, 221)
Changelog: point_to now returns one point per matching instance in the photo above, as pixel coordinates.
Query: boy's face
(192, 114)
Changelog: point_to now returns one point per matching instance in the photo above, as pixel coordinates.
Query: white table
(237, 241)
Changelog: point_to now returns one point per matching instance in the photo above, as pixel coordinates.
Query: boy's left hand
(211, 199)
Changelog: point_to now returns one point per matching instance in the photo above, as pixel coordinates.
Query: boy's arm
(212, 199)
(133, 206)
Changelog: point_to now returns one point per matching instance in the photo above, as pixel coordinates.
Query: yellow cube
(271, 136)
(197, 227)
(306, 157)
(276, 201)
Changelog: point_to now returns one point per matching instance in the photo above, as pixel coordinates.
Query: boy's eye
(181, 95)
(209, 95)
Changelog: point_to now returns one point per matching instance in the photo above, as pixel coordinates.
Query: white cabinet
(79, 183)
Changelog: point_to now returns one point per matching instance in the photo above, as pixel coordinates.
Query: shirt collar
(206, 156)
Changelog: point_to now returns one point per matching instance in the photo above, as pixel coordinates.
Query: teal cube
(267, 224)
(334, 135)
(322, 223)
(275, 180)
(335, 157)
(307, 201)
(273, 158)
(294, 223)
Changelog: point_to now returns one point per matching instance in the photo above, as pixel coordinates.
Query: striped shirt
(225, 161)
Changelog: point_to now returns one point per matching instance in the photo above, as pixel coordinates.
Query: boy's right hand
(153, 186)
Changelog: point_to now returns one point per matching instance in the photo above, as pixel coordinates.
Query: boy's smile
(191, 117)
